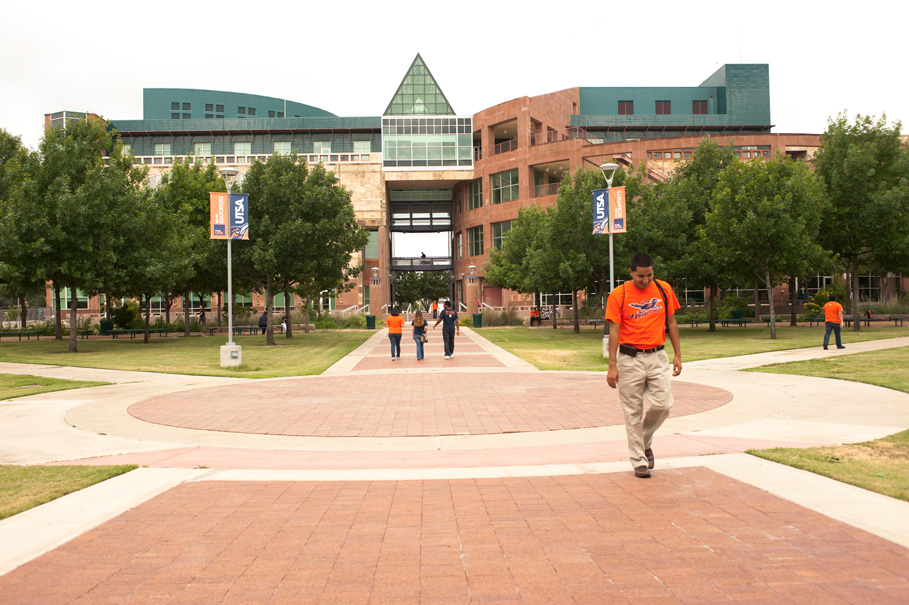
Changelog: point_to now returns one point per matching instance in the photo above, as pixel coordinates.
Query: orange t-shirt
(832, 311)
(395, 324)
(640, 313)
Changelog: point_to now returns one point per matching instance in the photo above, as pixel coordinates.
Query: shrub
(733, 302)
(127, 316)
(467, 321)
(815, 307)
(326, 322)
(351, 321)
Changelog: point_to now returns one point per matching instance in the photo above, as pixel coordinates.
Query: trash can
(370, 322)
(106, 326)
(477, 320)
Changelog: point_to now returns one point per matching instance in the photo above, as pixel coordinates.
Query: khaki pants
(646, 374)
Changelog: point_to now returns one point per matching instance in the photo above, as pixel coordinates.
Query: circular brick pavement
(409, 405)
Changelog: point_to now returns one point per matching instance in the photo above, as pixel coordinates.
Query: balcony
(505, 147)
(549, 189)
(241, 160)
(433, 263)
(568, 134)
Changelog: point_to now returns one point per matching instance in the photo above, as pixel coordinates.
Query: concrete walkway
(472, 479)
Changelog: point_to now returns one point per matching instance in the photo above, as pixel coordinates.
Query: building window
(281, 114)
(175, 107)
(203, 149)
(699, 108)
(362, 146)
(460, 245)
(271, 113)
(241, 111)
(427, 142)
(251, 111)
(186, 116)
(475, 241)
(162, 148)
(127, 148)
(498, 233)
(242, 148)
(321, 146)
(282, 147)
(626, 108)
(210, 107)
(504, 186)
(175, 116)
(209, 116)
(219, 109)
(663, 108)
(475, 194)
(372, 246)
(187, 106)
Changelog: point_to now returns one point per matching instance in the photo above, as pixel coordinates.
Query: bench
(697, 322)
(814, 320)
(85, 333)
(595, 322)
(865, 320)
(898, 319)
(735, 320)
(134, 333)
(252, 330)
(27, 333)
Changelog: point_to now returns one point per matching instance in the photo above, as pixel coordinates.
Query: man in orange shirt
(640, 313)
(833, 319)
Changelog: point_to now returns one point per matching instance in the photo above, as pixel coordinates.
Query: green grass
(562, 349)
(20, 385)
(881, 465)
(304, 354)
(24, 487)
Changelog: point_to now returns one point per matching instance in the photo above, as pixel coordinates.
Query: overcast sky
(348, 58)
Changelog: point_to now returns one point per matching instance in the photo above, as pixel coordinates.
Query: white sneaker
(448, 357)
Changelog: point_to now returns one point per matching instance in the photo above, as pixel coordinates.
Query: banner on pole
(229, 215)
(617, 210)
(600, 211)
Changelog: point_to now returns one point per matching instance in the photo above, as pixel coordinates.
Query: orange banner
(617, 217)
(219, 206)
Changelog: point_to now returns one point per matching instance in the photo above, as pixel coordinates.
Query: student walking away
(833, 320)
(450, 327)
(395, 325)
(419, 333)
(640, 313)
(435, 309)
(263, 321)
(284, 324)
(202, 317)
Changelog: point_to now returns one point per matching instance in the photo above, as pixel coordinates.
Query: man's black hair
(447, 304)
(832, 297)
(640, 260)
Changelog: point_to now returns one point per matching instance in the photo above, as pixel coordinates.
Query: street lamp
(374, 281)
(233, 352)
(608, 171)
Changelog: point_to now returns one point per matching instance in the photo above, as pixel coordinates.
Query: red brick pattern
(686, 536)
(409, 404)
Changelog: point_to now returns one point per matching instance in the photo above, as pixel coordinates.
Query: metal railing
(505, 147)
(557, 136)
(240, 160)
(549, 189)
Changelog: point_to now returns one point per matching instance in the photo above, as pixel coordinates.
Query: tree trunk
(856, 324)
(23, 312)
(290, 332)
(186, 311)
(555, 323)
(757, 300)
(58, 313)
(769, 285)
(269, 310)
(577, 314)
(220, 307)
(793, 302)
(147, 317)
(73, 320)
(714, 292)
(306, 317)
(168, 303)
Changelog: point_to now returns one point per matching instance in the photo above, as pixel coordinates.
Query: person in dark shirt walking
(450, 327)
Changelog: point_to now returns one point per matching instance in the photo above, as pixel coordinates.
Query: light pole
(608, 171)
(473, 279)
(231, 355)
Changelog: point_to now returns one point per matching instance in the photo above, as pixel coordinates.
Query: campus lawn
(24, 487)
(881, 465)
(20, 385)
(304, 354)
(562, 349)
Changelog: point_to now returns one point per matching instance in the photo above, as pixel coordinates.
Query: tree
(865, 170)
(20, 272)
(184, 192)
(82, 205)
(420, 287)
(765, 218)
(303, 229)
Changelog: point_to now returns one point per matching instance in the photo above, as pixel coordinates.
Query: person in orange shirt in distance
(833, 320)
(395, 325)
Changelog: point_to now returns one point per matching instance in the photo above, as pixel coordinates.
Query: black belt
(632, 351)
